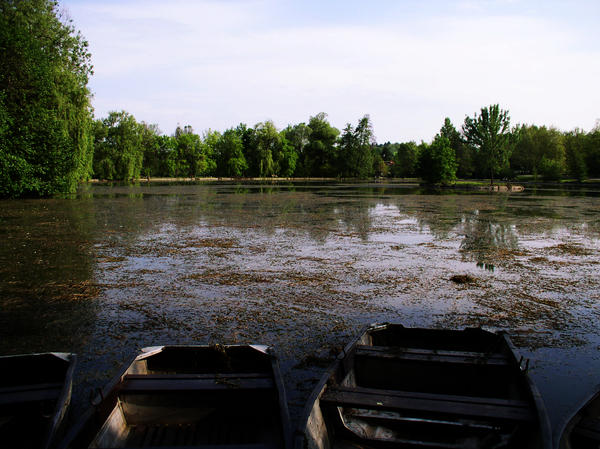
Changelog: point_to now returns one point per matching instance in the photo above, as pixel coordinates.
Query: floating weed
(570, 249)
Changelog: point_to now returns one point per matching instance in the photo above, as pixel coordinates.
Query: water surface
(301, 267)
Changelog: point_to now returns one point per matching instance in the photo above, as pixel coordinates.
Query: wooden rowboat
(211, 397)
(35, 392)
(397, 387)
(582, 428)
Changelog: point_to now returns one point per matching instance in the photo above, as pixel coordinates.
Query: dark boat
(212, 397)
(398, 387)
(35, 392)
(582, 428)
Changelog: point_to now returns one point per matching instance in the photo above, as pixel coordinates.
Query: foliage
(118, 151)
(489, 136)
(539, 151)
(437, 161)
(592, 151)
(320, 153)
(575, 154)
(45, 114)
(297, 137)
(356, 150)
(230, 154)
(406, 160)
(463, 153)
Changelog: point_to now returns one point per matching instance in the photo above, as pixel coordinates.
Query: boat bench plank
(436, 396)
(429, 355)
(30, 393)
(200, 376)
(425, 402)
(144, 384)
(205, 446)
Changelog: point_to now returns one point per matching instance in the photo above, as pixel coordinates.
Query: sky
(406, 63)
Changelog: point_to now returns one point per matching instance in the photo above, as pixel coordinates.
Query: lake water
(301, 267)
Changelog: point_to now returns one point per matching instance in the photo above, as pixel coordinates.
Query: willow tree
(45, 114)
(489, 136)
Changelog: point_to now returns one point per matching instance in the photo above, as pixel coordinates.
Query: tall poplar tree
(45, 113)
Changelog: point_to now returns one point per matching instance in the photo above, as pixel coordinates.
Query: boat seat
(139, 383)
(431, 355)
(210, 446)
(428, 403)
(30, 393)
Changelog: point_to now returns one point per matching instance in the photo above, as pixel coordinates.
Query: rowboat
(35, 392)
(210, 397)
(398, 387)
(582, 429)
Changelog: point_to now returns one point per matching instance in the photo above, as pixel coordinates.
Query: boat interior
(215, 396)
(425, 388)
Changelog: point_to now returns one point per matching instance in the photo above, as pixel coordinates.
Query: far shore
(459, 184)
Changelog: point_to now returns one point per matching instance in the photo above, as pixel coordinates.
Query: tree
(575, 154)
(463, 153)
(489, 135)
(592, 151)
(151, 147)
(437, 161)
(406, 160)
(230, 154)
(298, 137)
(45, 113)
(285, 157)
(195, 156)
(320, 155)
(118, 151)
(356, 150)
(539, 151)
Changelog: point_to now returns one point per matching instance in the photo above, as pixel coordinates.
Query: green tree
(539, 151)
(463, 152)
(118, 151)
(437, 161)
(298, 137)
(286, 157)
(45, 114)
(230, 154)
(356, 150)
(575, 154)
(151, 147)
(489, 136)
(406, 160)
(194, 155)
(592, 151)
(208, 166)
(267, 140)
(320, 154)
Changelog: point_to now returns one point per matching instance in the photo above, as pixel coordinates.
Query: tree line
(50, 140)
(485, 147)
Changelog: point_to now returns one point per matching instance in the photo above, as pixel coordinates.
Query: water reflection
(47, 272)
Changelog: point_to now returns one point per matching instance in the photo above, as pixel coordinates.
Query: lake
(302, 267)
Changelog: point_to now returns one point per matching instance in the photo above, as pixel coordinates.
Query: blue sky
(408, 64)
